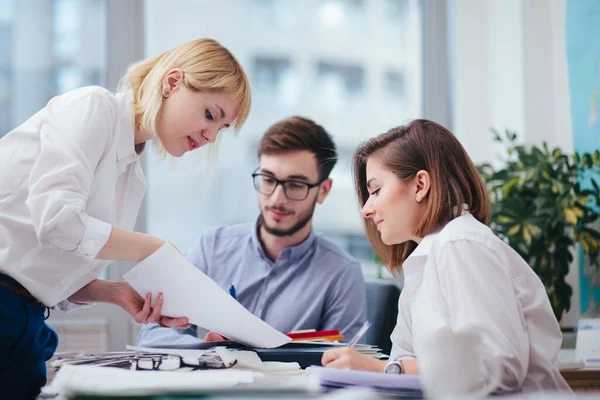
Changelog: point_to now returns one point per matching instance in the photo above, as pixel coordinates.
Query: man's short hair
(299, 133)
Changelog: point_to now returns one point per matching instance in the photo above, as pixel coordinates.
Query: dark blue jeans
(26, 343)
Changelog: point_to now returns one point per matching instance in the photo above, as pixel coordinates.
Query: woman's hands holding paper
(347, 358)
(142, 312)
(124, 295)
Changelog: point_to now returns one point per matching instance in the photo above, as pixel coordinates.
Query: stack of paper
(116, 381)
(405, 385)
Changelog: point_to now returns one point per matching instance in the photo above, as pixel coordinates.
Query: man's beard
(304, 219)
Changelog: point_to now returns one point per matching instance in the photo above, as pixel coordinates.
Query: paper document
(387, 382)
(188, 292)
(116, 381)
(587, 347)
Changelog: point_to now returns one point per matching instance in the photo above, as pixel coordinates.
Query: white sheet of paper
(188, 292)
(117, 381)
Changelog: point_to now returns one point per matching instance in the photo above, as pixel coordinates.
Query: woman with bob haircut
(426, 209)
(72, 185)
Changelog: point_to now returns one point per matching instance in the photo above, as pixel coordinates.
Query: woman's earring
(166, 93)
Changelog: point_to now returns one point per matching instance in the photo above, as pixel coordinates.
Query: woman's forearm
(129, 246)
(99, 291)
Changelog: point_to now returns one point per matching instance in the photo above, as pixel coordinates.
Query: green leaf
(514, 229)
(543, 204)
(556, 153)
(507, 187)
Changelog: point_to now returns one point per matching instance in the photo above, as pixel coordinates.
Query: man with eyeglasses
(282, 271)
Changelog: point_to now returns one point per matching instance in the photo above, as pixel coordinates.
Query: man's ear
(324, 190)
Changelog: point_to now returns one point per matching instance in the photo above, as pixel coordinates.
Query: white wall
(510, 72)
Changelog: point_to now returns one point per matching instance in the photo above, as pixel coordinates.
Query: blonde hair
(206, 65)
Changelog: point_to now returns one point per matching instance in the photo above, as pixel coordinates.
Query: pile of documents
(150, 359)
(142, 371)
(393, 384)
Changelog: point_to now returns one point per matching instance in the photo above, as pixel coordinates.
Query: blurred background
(357, 67)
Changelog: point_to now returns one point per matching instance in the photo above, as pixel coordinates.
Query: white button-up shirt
(464, 278)
(69, 173)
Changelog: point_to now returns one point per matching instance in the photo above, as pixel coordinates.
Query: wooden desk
(586, 380)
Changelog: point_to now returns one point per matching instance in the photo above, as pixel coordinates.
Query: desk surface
(580, 380)
(583, 380)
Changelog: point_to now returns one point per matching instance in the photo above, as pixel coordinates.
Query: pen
(232, 291)
(359, 334)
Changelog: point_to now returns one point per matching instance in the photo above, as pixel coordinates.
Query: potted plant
(544, 203)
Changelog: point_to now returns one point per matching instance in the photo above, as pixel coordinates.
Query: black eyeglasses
(163, 362)
(293, 190)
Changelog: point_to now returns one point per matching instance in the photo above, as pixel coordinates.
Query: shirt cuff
(68, 305)
(94, 237)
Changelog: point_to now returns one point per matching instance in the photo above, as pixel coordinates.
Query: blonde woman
(71, 188)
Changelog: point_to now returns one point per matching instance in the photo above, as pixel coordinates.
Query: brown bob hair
(406, 150)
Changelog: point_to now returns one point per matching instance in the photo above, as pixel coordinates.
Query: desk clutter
(144, 371)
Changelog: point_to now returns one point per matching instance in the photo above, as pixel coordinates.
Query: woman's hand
(125, 296)
(142, 312)
(347, 358)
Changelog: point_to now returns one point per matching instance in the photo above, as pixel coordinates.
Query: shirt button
(89, 266)
(132, 157)
(60, 286)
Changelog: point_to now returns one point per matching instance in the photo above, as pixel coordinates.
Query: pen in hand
(363, 329)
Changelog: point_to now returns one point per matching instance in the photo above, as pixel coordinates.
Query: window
(47, 48)
(339, 62)
(394, 85)
(275, 81)
(6, 12)
(343, 15)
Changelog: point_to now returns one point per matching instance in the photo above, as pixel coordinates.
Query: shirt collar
(126, 127)
(294, 253)
(424, 248)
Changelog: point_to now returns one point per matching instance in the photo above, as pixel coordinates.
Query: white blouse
(464, 278)
(69, 173)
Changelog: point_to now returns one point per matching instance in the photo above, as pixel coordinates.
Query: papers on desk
(188, 292)
(241, 359)
(406, 385)
(115, 381)
(303, 353)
